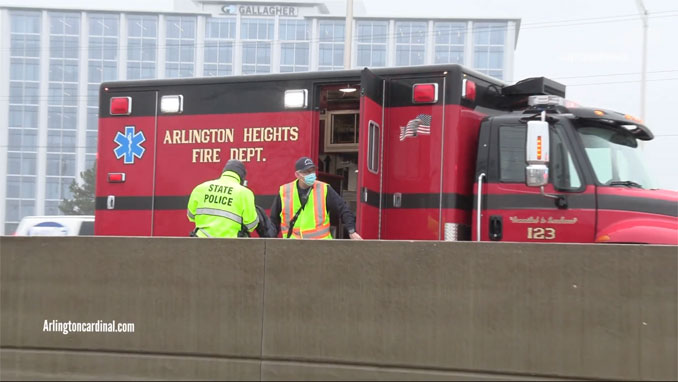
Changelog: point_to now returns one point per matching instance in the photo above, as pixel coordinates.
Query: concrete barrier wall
(287, 310)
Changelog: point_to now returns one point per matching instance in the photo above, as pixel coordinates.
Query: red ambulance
(420, 153)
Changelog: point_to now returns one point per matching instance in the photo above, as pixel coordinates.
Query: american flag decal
(421, 125)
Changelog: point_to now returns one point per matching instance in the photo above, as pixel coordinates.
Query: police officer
(223, 207)
(303, 207)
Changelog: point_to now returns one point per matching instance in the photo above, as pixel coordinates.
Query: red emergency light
(116, 177)
(425, 93)
(468, 89)
(121, 106)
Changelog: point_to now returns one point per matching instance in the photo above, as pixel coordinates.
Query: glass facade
(102, 65)
(294, 38)
(62, 107)
(180, 46)
(142, 37)
(331, 45)
(257, 42)
(410, 43)
(24, 89)
(450, 39)
(372, 38)
(219, 44)
(488, 53)
(58, 59)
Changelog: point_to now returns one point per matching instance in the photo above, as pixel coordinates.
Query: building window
(64, 49)
(410, 43)
(22, 131)
(21, 171)
(62, 111)
(180, 46)
(102, 66)
(488, 51)
(51, 208)
(331, 45)
(103, 48)
(142, 37)
(16, 209)
(219, 42)
(371, 40)
(92, 127)
(294, 45)
(450, 39)
(24, 81)
(257, 37)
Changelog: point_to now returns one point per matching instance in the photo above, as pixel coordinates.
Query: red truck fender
(641, 230)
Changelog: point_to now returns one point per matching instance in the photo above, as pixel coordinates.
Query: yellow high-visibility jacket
(221, 207)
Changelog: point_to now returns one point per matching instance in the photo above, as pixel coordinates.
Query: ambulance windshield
(615, 157)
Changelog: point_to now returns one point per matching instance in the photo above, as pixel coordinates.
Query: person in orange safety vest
(303, 207)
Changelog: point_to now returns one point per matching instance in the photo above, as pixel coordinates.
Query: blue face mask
(309, 179)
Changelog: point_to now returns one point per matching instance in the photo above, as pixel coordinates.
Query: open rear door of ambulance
(370, 166)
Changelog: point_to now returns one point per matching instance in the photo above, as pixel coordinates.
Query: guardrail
(265, 309)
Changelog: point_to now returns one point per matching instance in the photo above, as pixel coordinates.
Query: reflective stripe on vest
(202, 231)
(224, 214)
(253, 224)
(320, 208)
(287, 204)
(321, 224)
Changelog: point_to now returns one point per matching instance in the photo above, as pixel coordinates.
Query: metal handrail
(479, 205)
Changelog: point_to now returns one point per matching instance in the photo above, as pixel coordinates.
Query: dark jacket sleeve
(276, 208)
(337, 207)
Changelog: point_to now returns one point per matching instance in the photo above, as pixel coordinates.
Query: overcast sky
(595, 48)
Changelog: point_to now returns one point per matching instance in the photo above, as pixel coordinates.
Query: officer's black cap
(304, 163)
(237, 167)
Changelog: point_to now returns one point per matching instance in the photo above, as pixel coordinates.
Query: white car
(57, 225)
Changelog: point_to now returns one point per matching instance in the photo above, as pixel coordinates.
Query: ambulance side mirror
(537, 154)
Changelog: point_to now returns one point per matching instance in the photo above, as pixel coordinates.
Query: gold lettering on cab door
(217, 136)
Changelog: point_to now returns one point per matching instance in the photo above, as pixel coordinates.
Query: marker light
(425, 93)
(602, 239)
(537, 143)
(468, 89)
(632, 118)
(116, 177)
(121, 106)
(545, 100)
(599, 112)
(172, 104)
(296, 99)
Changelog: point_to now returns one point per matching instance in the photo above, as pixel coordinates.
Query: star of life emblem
(129, 145)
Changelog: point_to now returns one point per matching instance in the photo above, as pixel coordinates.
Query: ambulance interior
(339, 107)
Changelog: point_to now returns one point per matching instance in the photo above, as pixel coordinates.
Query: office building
(52, 61)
